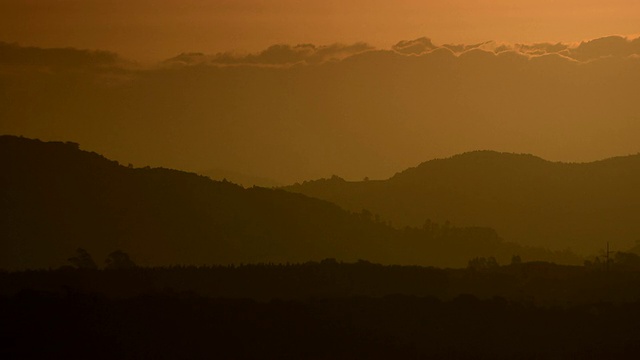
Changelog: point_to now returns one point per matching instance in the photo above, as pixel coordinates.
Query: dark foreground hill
(534, 283)
(324, 310)
(183, 326)
(56, 198)
(526, 199)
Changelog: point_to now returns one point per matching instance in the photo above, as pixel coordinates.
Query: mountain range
(55, 198)
(297, 112)
(528, 200)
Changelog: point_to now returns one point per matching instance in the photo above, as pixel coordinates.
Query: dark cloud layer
(286, 55)
(14, 54)
(276, 55)
(612, 46)
(415, 47)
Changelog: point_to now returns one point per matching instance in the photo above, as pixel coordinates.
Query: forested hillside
(526, 199)
(56, 198)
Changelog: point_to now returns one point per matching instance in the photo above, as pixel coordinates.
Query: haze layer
(298, 112)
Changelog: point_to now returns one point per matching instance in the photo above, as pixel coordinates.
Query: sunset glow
(153, 30)
(320, 179)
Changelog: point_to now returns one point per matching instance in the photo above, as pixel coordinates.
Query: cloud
(188, 58)
(614, 46)
(459, 48)
(306, 54)
(542, 48)
(611, 46)
(16, 55)
(276, 55)
(414, 47)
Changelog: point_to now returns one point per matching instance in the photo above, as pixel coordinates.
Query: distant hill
(292, 113)
(55, 198)
(526, 199)
(239, 178)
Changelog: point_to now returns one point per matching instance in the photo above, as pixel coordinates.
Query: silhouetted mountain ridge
(525, 198)
(56, 198)
(246, 180)
(302, 112)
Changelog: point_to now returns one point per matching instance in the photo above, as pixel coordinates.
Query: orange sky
(149, 30)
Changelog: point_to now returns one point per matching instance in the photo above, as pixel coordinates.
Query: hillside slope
(55, 198)
(526, 199)
(285, 116)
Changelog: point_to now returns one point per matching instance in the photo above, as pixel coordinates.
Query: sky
(293, 113)
(152, 30)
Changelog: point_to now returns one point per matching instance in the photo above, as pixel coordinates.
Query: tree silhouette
(627, 260)
(82, 260)
(482, 263)
(119, 260)
(516, 260)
